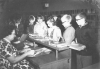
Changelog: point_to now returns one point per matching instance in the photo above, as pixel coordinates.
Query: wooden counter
(64, 60)
(49, 61)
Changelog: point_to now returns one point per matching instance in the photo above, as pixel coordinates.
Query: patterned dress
(7, 50)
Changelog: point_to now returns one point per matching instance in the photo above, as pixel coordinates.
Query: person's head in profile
(69, 33)
(66, 20)
(17, 20)
(51, 22)
(31, 19)
(81, 19)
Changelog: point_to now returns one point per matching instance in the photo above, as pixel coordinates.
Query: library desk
(59, 58)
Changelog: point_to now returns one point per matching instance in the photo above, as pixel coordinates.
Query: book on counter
(78, 47)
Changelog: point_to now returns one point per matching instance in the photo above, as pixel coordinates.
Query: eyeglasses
(79, 19)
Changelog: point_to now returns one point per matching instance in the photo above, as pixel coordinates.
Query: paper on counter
(36, 53)
(42, 39)
(32, 35)
(60, 45)
(78, 47)
(46, 49)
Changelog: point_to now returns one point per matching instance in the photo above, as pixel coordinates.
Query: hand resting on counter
(77, 46)
(17, 42)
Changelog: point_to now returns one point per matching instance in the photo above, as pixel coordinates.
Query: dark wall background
(32, 6)
(25, 7)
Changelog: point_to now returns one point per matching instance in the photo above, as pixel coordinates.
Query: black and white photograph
(49, 34)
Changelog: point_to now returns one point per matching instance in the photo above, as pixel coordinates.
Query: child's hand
(25, 50)
(17, 42)
(30, 53)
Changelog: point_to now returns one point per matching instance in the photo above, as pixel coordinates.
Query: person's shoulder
(71, 29)
(88, 27)
(36, 24)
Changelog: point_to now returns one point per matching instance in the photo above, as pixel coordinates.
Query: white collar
(7, 40)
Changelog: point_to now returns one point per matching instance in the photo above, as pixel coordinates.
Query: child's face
(31, 21)
(80, 21)
(65, 22)
(50, 24)
(40, 19)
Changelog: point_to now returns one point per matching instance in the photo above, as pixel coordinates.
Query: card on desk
(35, 36)
(35, 54)
(77, 47)
(42, 39)
(39, 51)
(59, 45)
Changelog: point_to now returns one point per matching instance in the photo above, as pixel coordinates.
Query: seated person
(9, 55)
(54, 32)
(69, 33)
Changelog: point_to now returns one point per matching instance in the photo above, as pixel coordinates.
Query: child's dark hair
(83, 15)
(52, 20)
(31, 17)
(40, 16)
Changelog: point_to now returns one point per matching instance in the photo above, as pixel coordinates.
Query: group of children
(84, 34)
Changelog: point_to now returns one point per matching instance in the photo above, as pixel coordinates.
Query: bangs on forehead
(40, 17)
